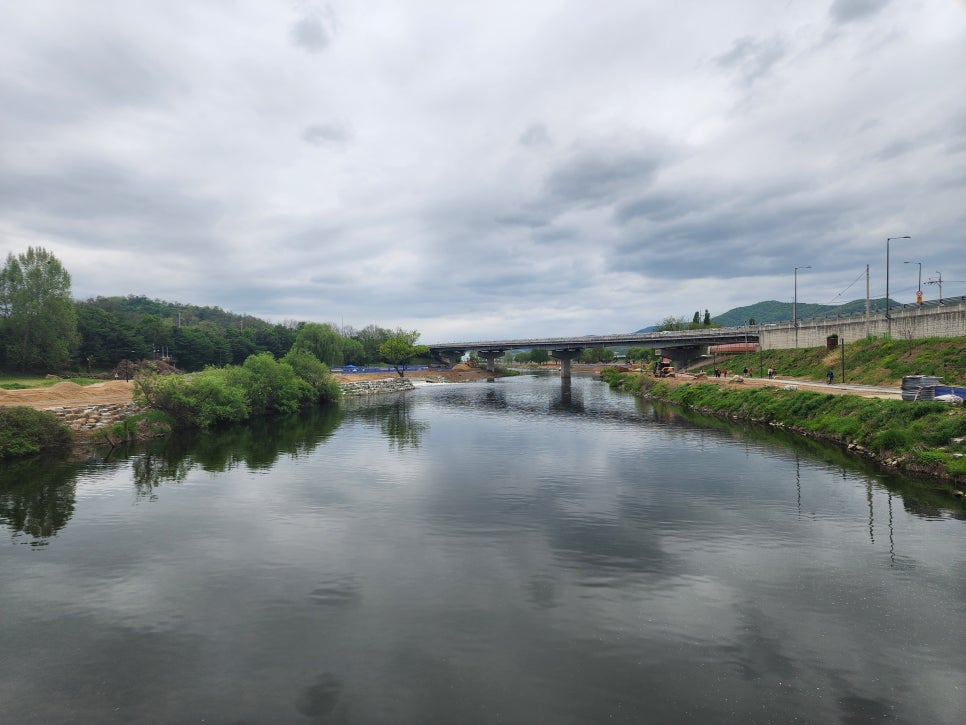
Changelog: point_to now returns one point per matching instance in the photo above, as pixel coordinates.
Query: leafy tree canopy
(38, 322)
(401, 349)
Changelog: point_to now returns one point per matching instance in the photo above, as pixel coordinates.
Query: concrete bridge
(936, 318)
(681, 346)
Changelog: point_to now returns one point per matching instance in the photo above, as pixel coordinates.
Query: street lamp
(795, 303)
(888, 318)
(919, 286)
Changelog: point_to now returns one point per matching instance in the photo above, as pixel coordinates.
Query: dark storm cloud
(847, 11)
(751, 58)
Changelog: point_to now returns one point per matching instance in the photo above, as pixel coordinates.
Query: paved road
(877, 390)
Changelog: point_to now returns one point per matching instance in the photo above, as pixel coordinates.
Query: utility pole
(867, 300)
(940, 283)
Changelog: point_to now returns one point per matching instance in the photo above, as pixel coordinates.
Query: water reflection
(37, 498)
(520, 556)
(394, 417)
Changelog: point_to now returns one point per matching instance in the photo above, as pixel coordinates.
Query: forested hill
(774, 311)
(133, 307)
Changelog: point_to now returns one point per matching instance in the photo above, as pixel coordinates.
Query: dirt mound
(66, 394)
(461, 367)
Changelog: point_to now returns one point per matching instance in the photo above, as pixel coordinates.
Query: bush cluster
(25, 431)
(261, 386)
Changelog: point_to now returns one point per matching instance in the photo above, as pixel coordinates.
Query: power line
(861, 275)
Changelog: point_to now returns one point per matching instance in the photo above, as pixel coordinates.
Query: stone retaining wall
(377, 387)
(94, 417)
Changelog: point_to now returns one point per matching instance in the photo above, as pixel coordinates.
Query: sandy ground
(70, 395)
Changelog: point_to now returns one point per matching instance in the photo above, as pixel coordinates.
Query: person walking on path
(830, 375)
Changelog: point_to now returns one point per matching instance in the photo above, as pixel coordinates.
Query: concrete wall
(909, 322)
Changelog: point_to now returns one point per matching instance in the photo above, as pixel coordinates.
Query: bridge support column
(491, 356)
(681, 357)
(565, 356)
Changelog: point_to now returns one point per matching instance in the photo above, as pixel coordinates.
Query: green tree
(322, 341)
(401, 349)
(672, 324)
(539, 356)
(105, 338)
(371, 337)
(707, 319)
(353, 351)
(637, 354)
(38, 322)
(696, 320)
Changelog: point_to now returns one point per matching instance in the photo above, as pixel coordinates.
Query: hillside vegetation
(775, 311)
(867, 362)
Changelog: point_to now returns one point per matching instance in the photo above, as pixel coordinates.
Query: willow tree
(38, 322)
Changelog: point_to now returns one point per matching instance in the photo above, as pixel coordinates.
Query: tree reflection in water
(394, 419)
(37, 498)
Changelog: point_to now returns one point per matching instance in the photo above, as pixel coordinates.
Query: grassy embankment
(868, 362)
(924, 438)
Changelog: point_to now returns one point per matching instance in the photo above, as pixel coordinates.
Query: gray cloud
(847, 11)
(598, 176)
(321, 134)
(752, 58)
(553, 175)
(313, 32)
(535, 135)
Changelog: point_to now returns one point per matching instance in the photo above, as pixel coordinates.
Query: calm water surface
(512, 552)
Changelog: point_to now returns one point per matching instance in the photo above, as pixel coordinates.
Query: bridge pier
(681, 357)
(565, 356)
(491, 356)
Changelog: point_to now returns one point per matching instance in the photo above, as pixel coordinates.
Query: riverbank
(916, 438)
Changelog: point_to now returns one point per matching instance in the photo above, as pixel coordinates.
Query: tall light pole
(888, 318)
(919, 285)
(795, 303)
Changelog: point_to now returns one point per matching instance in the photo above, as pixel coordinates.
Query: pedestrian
(830, 375)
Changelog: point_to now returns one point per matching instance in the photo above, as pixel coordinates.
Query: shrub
(206, 399)
(891, 439)
(25, 431)
(315, 374)
(272, 386)
(931, 457)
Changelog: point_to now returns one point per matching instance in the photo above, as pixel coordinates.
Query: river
(518, 551)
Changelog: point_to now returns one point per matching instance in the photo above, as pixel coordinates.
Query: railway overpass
(681, 346)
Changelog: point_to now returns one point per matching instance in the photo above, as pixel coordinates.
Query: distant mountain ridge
(774, 311)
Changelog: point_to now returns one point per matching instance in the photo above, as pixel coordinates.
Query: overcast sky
(484, 170)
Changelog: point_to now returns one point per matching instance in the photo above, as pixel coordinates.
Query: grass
(867, 362)
(921, 437)
(22, 382)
